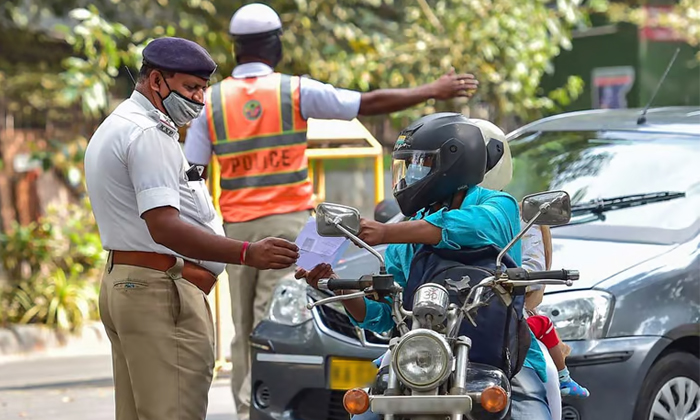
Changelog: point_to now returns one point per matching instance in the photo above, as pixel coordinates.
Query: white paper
(315, 249)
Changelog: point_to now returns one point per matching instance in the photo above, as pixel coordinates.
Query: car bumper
(290, 370)
(613, 370)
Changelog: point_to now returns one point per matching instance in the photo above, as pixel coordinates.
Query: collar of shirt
(255, 69)
(150, 109)
(140, 99)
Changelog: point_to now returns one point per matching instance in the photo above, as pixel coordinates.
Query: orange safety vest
(259, 138)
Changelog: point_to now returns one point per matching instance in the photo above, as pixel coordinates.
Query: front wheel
(671, 390)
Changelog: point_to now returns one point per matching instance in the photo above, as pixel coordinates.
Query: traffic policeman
(255, 123)
(166, 246)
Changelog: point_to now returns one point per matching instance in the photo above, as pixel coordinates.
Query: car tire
(672, 371)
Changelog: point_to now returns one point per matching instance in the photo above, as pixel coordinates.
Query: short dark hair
(147, 69)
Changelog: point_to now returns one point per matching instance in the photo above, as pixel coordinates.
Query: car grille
(340, 323)
(320, 404)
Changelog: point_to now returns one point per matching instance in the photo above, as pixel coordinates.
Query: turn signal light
(494, 399)
(356, 401)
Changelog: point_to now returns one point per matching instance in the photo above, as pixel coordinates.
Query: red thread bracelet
(243, 251)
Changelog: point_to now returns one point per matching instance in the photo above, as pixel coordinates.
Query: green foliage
(60, 301)
(683, 18)
(360, 44)
(91, 72)
(25, 250)
(54, 268)
(65, 159)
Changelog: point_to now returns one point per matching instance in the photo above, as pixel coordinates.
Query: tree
(683, 18)
(360, 44)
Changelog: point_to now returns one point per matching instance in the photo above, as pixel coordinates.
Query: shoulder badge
(165, 127)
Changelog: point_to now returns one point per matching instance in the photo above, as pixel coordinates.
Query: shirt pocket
(202, 200)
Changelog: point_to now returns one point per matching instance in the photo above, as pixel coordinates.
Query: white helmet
(502, 172)
(254, 18)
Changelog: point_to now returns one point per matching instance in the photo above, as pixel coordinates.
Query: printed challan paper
(315, 249)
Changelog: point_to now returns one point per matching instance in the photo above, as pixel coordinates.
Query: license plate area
(346, 374)
(421, 404)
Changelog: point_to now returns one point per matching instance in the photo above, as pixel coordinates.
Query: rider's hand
(453, 85)
(372, 232)
(273, 253)
(321, 271)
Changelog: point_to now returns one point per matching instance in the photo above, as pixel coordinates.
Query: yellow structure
(327, 139)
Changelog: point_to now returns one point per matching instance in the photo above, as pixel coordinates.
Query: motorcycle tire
(673, 366)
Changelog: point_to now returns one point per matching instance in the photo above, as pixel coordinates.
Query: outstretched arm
(385, 101)
(469, 226)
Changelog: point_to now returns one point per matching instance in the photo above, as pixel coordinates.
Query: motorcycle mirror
(329, 216)
(549, 208)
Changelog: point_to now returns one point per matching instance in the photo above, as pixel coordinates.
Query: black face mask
(267, 47)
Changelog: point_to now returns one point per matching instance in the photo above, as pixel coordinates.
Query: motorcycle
(430, 376)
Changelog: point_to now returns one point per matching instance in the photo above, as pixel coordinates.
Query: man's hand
(453, 85)
(321, 271)
(272, 253)
(372, 232)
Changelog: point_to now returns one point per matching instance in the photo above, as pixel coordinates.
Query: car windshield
(592, 165)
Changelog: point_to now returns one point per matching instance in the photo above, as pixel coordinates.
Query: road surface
(76, 388)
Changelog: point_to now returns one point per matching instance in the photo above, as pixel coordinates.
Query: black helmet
(437, 156)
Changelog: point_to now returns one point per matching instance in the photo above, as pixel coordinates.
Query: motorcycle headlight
(422, 359)
(288, 303)
(578, 315)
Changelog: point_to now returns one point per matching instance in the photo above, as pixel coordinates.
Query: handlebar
(342, 284)
(522, 274)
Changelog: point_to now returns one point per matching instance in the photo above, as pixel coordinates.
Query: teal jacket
(485, 218)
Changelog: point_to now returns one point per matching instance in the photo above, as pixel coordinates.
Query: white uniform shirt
(533, 249)
(533, 252)
(133, 164)
(317, 100)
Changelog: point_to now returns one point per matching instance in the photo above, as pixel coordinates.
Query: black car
(632, 320)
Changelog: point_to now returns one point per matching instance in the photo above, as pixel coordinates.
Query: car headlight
(578, 315)
(288, 303)
(423, 359)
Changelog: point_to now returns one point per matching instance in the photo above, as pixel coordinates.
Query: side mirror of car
(386, 210)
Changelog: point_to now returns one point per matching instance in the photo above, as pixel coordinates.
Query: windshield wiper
(598, 207)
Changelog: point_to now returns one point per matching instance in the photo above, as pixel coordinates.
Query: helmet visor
(411, 166)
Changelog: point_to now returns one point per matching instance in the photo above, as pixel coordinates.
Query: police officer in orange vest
(255, 123)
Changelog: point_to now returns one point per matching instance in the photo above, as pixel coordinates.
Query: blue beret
(179, 56)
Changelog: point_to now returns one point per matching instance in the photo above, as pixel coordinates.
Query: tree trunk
(7, 209)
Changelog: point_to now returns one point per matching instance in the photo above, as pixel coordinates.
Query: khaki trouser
(250, 294)
(162, 336)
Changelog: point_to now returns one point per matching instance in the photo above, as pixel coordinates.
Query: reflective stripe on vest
(259, 138)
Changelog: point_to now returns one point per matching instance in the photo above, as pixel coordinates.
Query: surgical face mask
(415, 173)
(179, 108)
